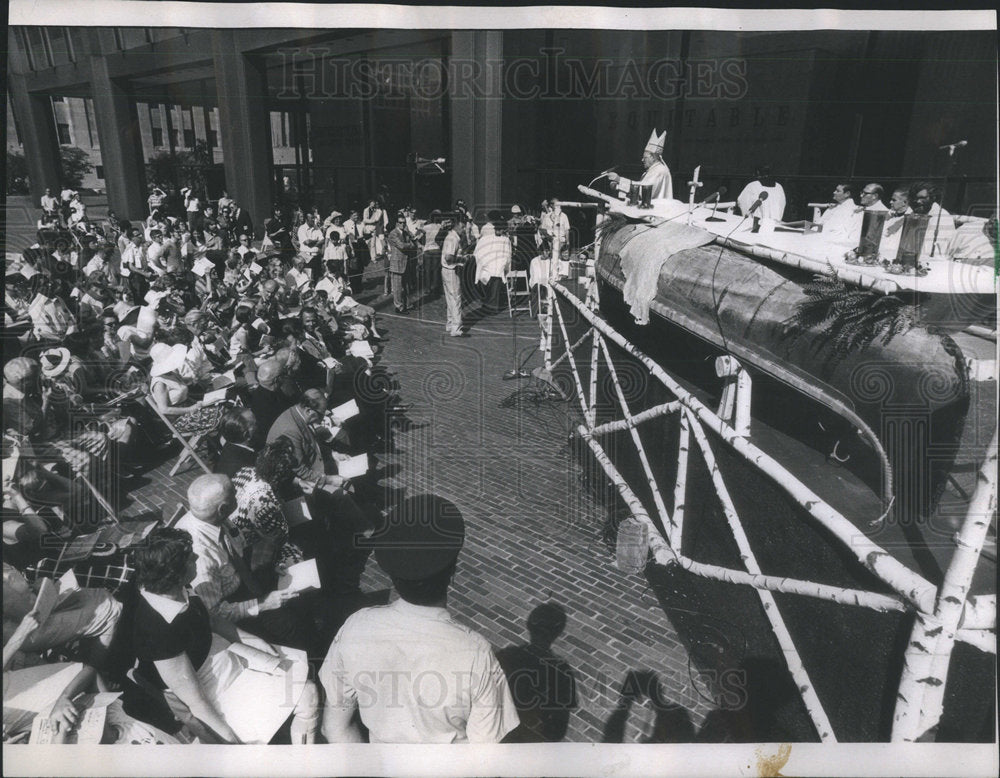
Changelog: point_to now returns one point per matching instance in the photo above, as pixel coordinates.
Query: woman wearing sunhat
(169, 390)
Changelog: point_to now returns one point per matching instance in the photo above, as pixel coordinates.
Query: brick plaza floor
(533, 534)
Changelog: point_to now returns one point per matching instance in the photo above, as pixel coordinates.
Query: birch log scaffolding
(920, 699)
(941, 616)
(912, 586)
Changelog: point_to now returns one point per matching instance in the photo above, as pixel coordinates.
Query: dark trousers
(139, 285)
(290, 625)
(334, 538)
(432, 271)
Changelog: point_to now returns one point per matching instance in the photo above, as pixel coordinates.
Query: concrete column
(121, 143)
(38, 134)
(475, 109)
(245, 136)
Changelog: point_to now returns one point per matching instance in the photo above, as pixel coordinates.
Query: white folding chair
(518, 292)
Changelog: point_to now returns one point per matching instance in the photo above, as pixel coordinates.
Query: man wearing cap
(413, 673)
(657, 173)
(521, 229)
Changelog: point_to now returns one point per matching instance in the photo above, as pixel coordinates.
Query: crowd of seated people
(126, 345)
(184, 338)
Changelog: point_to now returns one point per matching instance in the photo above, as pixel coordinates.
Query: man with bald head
(267, 401)
(270, 305)
(223, 578)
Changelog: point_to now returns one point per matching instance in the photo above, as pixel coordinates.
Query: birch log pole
(790, 653)
(908, 583)
(661, 509)
(920, 699)
(676, 539)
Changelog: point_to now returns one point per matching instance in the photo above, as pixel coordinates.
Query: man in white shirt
(412, 673)
(842, 221)
(774, 206)
(192, 206)
(78, 209)
(223, 578)
(311, 243)
(133, 265)
(899, 206)
(871, 198)
(298, 279)
(225, 201)
(451, 278)
(155, 251)
(64, 199)
(50, 205)
(554, 227)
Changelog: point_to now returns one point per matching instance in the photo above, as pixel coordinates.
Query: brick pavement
(533, 534)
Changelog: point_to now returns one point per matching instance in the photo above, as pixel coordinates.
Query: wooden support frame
(940, 613)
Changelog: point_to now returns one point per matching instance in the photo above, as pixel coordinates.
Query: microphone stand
(715, 207)
(947, 176)
(517, 371)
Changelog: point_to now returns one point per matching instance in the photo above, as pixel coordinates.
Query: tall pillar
(241, 86)
(38, 134)
(475, 109)
(121, 143)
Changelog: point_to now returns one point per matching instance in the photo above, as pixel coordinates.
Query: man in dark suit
(238, 428)
(343, 519)
(240, 222)
(401, 245)
(267, 401)
(296, 424)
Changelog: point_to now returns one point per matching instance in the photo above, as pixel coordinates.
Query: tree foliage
(17, 173)
(75, 165)
(185, 167)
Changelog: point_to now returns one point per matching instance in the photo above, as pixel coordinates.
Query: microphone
(757, 203)
(715, 196)
(602, 174)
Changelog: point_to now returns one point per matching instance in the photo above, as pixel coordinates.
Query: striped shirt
(216, 578)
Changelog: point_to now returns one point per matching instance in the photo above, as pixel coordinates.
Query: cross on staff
(693, 185)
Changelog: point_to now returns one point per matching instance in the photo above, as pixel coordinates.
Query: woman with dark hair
(200, 664)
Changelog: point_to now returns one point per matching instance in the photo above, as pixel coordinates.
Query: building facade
(516, 115)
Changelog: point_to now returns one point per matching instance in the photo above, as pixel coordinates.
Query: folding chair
(176, 515)
(517, 289)
(189, 443)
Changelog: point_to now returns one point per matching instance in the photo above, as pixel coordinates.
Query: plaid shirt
(89, 574)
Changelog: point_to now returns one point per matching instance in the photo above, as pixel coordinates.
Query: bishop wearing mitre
(657, 173)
